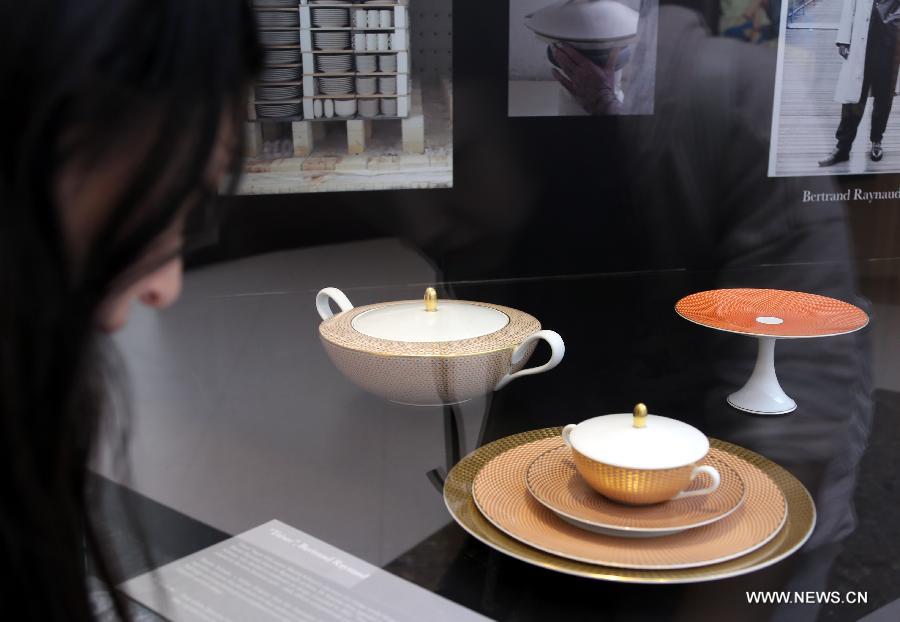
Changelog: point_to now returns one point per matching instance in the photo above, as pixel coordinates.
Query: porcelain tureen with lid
(430, 352)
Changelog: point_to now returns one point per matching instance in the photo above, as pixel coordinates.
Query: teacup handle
(325, 296)
(557, 349)
(713, 474)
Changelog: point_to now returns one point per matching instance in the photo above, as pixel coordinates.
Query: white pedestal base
(763, 395)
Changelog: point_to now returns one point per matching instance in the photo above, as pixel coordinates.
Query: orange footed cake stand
(769, 315)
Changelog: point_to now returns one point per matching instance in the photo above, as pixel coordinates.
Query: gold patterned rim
(796, 531)
(339, 331)
(553, 480)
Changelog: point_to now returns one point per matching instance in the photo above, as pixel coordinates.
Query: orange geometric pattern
(771, 313)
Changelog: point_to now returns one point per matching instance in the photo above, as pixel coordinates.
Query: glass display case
(363, 366)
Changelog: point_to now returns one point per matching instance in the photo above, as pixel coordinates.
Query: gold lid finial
(431, 299)
(640, 416)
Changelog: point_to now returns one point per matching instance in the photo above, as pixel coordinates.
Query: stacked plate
(330, 18)
(387, 85)
(389, 107)
(281, 63)
(331, 40)
(345, 108)
(368, 108)
(278, 92)
(523, 495)
(387, 63)
(336, 86)
(365, 86)
(366, 63)
(278, 19)
(273, 111)
(279, 37)
(553, 481)
(280, 74)
(281, 57)
(334, 63)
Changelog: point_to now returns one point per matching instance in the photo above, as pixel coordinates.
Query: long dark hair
(83, 82)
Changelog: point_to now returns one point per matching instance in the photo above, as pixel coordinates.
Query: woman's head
(85, 194)
(121, 124)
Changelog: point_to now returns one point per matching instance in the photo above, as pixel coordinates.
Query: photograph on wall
(835, 84)
(352, 96)
(582, 57)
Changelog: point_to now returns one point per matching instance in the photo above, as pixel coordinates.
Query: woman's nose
(163, 287)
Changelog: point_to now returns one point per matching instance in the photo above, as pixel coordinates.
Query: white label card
(277, 573)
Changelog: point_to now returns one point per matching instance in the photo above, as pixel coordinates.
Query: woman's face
(158, 288)
(85, 195)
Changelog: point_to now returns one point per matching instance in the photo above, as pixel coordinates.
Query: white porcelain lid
(411, 322)
(662, 444)
(585, 20)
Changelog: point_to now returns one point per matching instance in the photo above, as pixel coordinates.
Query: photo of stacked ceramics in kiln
(359, 59)
(279, 91)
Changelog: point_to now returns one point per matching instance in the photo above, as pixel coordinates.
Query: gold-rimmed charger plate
(502, 497)
(553, 481)
(796, 531)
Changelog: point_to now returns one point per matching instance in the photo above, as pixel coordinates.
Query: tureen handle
(325, 296)
(713, 475)
(557, 349)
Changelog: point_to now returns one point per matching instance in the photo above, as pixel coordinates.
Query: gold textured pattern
(501, 495)
(339, 331)
(553, 480)
(422, 380)
(633, 486)
(797, 529)
(802, 314)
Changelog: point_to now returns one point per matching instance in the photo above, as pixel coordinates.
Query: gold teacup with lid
(639, 459)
